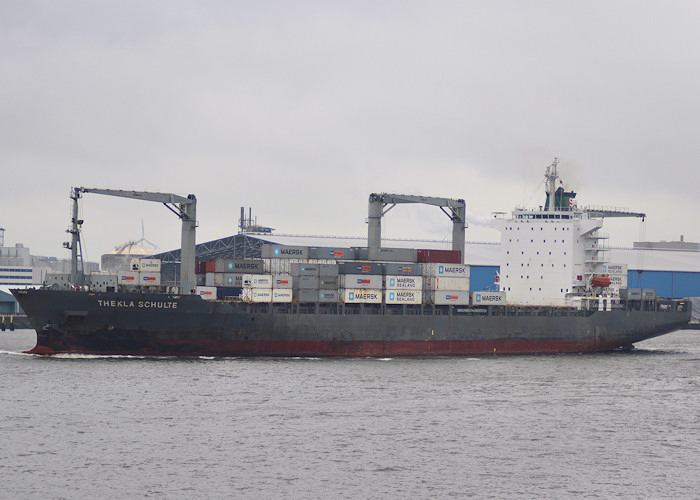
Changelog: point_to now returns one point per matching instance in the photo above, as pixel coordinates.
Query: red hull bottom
(338, 348)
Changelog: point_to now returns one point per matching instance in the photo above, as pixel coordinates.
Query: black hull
(159, 324)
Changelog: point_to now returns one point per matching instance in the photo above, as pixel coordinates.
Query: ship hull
(167, 325)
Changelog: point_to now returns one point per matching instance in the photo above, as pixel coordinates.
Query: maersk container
(257, 281)
(449, 256)
(403, 297)
(201, 279)
(398, 254)
(233, 279)
(332, 253)
(329, 296)
(446, 270)
(257, 295)
(446, 283)
(328, 282)
(362, 296)
(361, 268)
(370, 281)
(449, 297)
(150, 279)
(281, 295)
(403, 282)
(269, 251)
(488, 298)
(304, 269)
(394, 269)
(306, 282)
(206, 292)
(280, 281)
(239, 266)
(145, 265)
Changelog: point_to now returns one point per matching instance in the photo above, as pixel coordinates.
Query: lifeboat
(602, 281)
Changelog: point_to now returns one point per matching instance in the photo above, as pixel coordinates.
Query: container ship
(555, 293)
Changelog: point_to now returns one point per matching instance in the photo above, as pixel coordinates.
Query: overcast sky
(302, 109)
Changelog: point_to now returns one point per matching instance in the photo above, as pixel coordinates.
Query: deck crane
(184, 208)
(377, 202)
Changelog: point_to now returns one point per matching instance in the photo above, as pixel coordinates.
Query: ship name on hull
(138, 304)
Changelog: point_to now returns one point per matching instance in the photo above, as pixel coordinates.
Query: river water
(621, 424)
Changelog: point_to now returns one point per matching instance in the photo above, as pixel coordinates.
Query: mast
(552, 175)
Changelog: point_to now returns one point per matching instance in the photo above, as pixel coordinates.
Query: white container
(446, 270)
(257, 281)
(280, 281)
(210, 279)
(150, 279)
(362, 296)
(403, 297)
(403, 283)
(149, 265)
(450, 297)
(281, 295)
(257, 294)
(362, 281)
(206, 292)
(131, 278)
(441, 283)
(488, 298)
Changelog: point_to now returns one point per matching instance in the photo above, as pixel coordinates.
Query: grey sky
(301, 109)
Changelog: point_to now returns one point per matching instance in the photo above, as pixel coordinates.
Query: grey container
(306, 282)
(306, 294)
(328, 282)
(304, 269)
(398, 254)
(393, 269)
(328, 296)
(361, 268)
(332, 253)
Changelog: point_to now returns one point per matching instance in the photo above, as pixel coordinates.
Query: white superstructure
(551, 255)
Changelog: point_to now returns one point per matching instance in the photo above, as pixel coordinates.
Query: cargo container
(256, 294)
(305, 295)
(447, 270)
(362, 296)
(488, 298)
(361, 268)
(328, 269)
(398, 254)
(268, 251)
(332, 253)
(403, 297)
(403, 282)
(446, 283)
(281, 295)
(145, 265)
(150, 279)
(130, 278)
(447, 256)
(210, 266)
(233, 279)
(329, 296)
(306, 282)
(257, 281)
(328, 282)
(280, 281)
(201, 279)
(239, 266)
(394, 269)
(228, 293)
(206, 292)
(449, 297)
(304, 269)
(370, 281)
